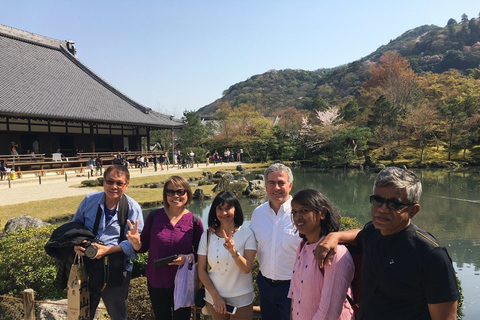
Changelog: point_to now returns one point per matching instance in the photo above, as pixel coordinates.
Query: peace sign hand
(229, 243)
(133, 236)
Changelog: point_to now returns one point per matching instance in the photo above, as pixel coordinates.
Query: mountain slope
(428, 48)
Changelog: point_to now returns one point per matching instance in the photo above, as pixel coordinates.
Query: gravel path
(29, 189)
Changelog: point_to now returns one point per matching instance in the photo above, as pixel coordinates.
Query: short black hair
(229, 198)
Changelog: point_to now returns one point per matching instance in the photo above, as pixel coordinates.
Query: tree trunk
(450, 142)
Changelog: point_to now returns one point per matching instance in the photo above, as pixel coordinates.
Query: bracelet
(236, 255)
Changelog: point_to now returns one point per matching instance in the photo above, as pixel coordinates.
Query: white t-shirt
(277, 239)
(231, 283)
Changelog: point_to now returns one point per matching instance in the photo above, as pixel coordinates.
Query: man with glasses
(106, 204)
(278, 241)
(406, 272)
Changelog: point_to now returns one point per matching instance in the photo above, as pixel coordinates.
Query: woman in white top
(230, 254)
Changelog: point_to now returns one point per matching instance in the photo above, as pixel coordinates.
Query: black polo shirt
(420, 272)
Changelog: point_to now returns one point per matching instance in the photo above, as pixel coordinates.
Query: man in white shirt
(278, 241)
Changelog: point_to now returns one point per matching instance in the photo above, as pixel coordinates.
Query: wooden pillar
(148, 141)
(92, 138)
(29, 304)
(138, 140)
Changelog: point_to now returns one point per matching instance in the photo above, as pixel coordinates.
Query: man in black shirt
(406, 273)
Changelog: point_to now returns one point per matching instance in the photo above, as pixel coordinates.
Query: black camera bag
(110, 270)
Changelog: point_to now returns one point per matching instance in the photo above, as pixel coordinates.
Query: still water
(450, 210)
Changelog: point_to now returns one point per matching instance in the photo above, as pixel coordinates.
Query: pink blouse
(317, 295)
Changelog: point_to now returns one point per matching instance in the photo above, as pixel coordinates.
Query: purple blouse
(161, 239)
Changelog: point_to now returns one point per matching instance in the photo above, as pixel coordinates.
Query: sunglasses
(392, 204)
(118, 183)
(178, 192)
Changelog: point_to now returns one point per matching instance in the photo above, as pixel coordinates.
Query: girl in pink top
(319, 294)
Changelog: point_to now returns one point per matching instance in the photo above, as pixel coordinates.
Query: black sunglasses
(392, 204)
(178, 192)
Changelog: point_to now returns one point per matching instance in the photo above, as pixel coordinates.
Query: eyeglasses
(118, 183)
(178, 192)
(392, 204)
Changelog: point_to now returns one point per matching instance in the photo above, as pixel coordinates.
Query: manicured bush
(92, 183)
(25, 265)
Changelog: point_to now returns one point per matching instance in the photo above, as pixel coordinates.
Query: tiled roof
(40, 77)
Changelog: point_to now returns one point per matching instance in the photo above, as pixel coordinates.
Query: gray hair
(278, 167)
(401, 179)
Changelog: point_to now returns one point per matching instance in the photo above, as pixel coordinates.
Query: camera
(91, 251)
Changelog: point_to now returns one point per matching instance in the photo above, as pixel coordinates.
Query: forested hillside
(415, 100)
(427, 48)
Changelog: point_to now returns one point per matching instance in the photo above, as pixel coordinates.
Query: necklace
(218, 258)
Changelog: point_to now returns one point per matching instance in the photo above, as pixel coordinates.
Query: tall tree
(423, 126)
(194, 134)
(455, 96)
(383, 120)
(347, 144)
(286, 130)
(320, 134)
(393, 78)
(244, 127)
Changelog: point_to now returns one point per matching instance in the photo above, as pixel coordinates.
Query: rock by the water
(256, 189)
(198, 194)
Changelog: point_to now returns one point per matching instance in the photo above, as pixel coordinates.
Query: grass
(63, 208)
(409, 154)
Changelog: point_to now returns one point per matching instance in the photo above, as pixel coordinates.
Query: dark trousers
(114, 298)
(274, 303)
(163, 307)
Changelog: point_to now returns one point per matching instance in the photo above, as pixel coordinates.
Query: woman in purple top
(171, 230)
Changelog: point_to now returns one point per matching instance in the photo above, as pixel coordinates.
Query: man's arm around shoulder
(326, 249)
(443, 311)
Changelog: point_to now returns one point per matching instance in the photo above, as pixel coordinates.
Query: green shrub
(92, 183)
(139, 265)
(348, 224)
(24, 264)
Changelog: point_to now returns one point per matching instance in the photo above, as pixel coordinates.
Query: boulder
(57, 310)
(258, 176)
(49, 311)
(23, 222)
(256, 185)
(208, 175)
(223, 174)
(257, 194)
(199, 194)
(222, 184)
(256, 189)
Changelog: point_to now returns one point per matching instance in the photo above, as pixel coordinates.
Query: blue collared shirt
(110, 233)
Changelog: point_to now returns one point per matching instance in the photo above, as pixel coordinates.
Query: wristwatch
(236, 255)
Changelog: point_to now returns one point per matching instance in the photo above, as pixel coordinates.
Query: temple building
(51, 102)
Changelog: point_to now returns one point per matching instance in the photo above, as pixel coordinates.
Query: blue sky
(179, 55)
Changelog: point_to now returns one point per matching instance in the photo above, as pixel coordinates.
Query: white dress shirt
(277, 240)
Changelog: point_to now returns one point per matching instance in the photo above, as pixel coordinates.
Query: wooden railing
(22, 157)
